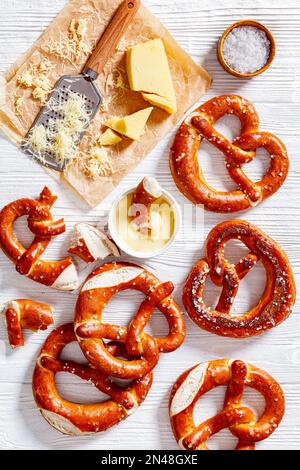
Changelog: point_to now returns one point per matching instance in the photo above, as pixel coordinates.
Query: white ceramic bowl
(139, 254)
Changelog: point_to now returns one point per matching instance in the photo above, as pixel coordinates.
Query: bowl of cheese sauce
(142, 240)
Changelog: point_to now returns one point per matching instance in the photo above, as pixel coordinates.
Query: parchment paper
(190, 80)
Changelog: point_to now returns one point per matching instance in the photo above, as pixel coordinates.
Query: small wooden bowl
(256, 25)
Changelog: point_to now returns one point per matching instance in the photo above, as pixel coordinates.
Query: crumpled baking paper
(190, 80)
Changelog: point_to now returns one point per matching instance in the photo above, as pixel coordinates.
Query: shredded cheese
(36, 79)
(36, 141)
(42, 88)
(45, 66)
(25, 79)
(72, 46)
(42, 82)
(61, 135)
(105, 103)
(96, 163)
(18, 105)
(75, 115)
(62, 146)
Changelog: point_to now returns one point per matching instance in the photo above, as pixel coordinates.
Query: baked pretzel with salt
(61, 275)
(235, 375)
(277, 300)
(25, 314)
(199, 125)
(143, 349)
(144, 196)
(90, 244)
(78, 419)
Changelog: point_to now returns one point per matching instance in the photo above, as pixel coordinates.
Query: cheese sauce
(140, 240)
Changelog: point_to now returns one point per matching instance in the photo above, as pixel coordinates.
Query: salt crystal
(246, 49)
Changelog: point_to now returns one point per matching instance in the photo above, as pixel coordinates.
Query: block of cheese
(160, 102)
(109, 138)
(149, 73)
(132, 126)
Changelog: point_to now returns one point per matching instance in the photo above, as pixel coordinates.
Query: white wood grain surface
(197, 26)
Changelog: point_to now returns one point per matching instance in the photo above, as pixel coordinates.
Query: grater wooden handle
(112, 36)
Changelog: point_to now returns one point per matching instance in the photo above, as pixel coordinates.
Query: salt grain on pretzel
(25, 314)
(241, 421)
(277, 300)
(79, 419)
(61, 275)
(100, 287)
(188, 175)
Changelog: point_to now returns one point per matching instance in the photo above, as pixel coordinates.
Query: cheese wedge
(132, 126)
(160, 102)
(109, 138)
(149, 73)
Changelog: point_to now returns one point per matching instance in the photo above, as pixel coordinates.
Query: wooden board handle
(112, 35)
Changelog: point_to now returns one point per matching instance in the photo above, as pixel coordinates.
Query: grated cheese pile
(246, 49)
(61, 137)
(96, 163)
(36, 79)
(62, 146)
(18, 105)
(75, 115)
(37, 141)
(72, 46)
(25, 80)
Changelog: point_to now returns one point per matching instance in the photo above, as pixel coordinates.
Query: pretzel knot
(200, 125)
(143, 349)
(240, 420)
(71, 418)
(277, 300)
(25, 314)
(61, 275)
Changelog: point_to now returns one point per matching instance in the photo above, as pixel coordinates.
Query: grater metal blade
(84, 84)
(68, 84)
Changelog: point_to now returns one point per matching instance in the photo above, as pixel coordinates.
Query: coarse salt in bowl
(246, 49)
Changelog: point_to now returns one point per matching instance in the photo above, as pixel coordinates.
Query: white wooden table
(197, 26)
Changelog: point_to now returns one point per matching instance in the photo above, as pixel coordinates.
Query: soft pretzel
(277, 300)
(25, 314)
(61, 275)
(100, 287)
(200, 125)
(90, 244)
(147, 192)
(72, 418)
(235, 375)
(145, 195)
